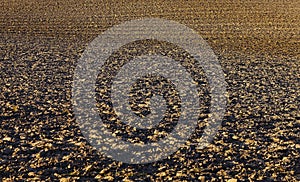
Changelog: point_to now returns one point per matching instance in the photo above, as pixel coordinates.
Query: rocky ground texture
(257, 44)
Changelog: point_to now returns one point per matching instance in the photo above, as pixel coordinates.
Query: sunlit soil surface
(257, 44)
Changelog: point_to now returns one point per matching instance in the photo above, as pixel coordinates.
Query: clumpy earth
(257, 44)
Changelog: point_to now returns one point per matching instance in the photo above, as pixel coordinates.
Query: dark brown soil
(257, 43)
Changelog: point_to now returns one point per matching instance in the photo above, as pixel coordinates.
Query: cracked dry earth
(257, 44)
